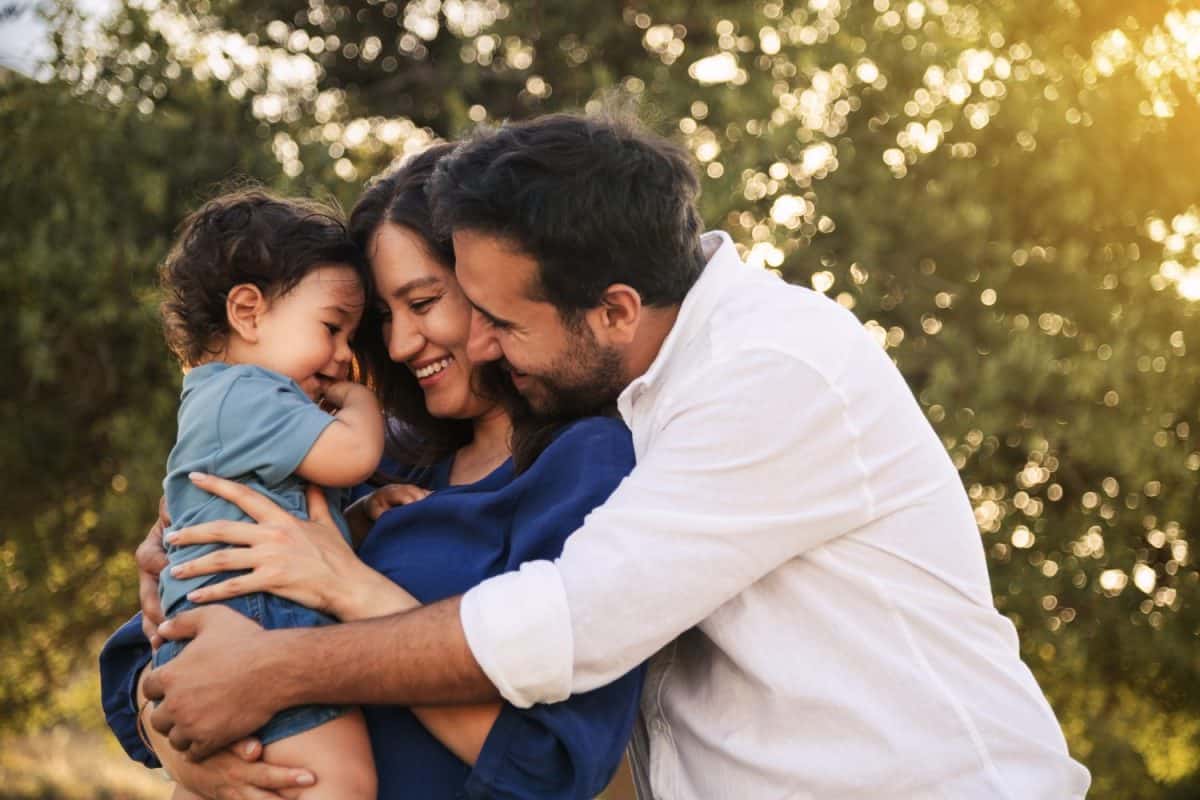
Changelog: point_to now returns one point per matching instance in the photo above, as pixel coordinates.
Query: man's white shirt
(795, 550)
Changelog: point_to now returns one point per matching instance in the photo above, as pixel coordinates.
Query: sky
(23, 35)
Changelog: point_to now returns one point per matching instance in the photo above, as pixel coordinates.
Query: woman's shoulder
(595, 440)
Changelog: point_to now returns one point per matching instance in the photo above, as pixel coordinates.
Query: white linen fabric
(795, 550)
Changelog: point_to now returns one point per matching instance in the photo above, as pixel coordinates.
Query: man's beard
(585, 382)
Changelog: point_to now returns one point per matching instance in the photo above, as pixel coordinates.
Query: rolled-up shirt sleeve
(735, 481)
(124, 656)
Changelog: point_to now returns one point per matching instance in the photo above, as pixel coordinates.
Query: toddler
(263, 298)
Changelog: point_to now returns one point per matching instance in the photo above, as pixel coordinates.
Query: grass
(68, 764)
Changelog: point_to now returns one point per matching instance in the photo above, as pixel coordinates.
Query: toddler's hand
(342, 393)
(394, 494)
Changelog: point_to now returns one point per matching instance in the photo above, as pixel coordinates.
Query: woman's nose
(403, 341)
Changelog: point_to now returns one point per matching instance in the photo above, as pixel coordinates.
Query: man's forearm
(418, 657)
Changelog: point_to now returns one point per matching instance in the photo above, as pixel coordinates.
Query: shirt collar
(722, 270)
(203, 372)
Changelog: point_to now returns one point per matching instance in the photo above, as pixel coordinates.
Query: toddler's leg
(338, 753)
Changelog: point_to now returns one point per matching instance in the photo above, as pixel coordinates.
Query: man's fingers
(198, 751)
(178, 740)
(258, 506)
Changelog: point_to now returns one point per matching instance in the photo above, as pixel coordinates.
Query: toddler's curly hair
(245, 236)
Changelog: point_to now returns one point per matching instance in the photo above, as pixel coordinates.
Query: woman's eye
(334, 329)
(422, 305)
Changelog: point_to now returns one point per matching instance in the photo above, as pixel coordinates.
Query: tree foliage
(1004, 193)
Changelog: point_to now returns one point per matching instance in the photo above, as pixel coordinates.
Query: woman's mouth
(429, 372)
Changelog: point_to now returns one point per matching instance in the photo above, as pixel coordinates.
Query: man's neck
(655, 327)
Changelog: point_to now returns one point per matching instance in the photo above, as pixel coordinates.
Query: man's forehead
(493, 267)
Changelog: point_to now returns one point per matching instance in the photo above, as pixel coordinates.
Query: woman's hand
(306, 561)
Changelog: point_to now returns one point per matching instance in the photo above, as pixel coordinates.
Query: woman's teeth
(432, 369)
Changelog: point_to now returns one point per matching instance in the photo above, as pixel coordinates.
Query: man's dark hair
(594, 200)
(245, 236)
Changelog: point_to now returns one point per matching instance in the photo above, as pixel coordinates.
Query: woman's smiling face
(426, 321)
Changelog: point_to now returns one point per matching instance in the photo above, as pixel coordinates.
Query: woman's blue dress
(440, 547)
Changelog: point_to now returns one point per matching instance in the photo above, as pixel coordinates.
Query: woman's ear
(615, 320)
(244, 305)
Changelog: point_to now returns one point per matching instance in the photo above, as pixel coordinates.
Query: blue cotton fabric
(247, 424)
(440, 547)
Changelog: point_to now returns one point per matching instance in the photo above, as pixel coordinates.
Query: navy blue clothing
(440, 547)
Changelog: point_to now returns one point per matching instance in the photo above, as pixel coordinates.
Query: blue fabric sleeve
(124, 656)
(569, 749)
(266, 427)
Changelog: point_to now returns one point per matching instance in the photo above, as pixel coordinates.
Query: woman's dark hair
(594, 200)
(245, 236)
(399, 197)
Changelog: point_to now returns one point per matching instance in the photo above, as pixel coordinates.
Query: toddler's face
(305, 334)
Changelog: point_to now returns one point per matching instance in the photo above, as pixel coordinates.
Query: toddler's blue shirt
(247, 424)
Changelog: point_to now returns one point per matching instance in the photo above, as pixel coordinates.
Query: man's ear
(244, 305)
(615, 320)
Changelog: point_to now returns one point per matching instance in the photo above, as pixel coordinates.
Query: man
(794, 547)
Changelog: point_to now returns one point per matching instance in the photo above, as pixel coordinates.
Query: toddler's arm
(348, 451)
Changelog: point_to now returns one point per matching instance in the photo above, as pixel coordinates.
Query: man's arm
(757, 461)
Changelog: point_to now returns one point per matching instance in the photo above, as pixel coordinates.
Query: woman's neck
(490, 446)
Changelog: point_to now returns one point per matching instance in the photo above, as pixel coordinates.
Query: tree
(998, 190)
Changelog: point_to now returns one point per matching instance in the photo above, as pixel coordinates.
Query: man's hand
(151, 558)
(203, 704)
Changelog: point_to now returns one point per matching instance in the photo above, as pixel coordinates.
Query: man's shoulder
(792, 322)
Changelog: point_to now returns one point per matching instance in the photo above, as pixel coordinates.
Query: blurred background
(1006, 193)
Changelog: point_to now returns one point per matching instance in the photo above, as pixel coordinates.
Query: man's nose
(482, 344)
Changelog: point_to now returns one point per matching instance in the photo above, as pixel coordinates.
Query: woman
(478, 507)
